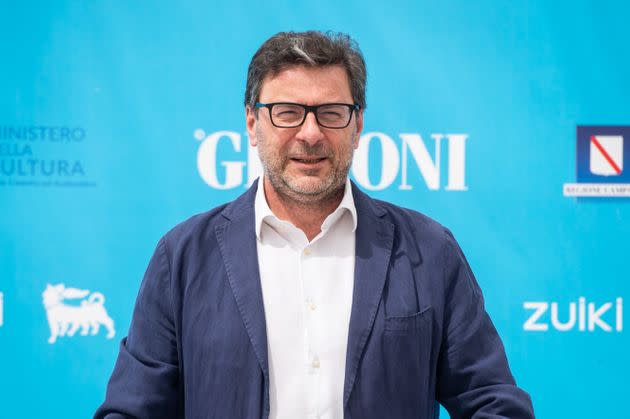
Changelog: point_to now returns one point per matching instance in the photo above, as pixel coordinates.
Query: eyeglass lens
(328, 115)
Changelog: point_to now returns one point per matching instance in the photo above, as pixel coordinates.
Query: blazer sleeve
(473, 376)
(144, 383)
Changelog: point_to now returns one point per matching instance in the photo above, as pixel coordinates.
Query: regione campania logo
(71, 309)
(602, 158)
(606, 156)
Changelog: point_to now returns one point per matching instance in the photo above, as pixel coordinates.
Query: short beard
(329, 189)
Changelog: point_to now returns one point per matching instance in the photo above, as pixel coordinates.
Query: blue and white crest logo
(606, 155)
(601, 154)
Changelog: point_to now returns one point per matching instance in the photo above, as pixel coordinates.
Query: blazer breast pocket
(411, 324)
(406, 361)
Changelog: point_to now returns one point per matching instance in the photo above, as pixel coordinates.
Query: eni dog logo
(87, 312)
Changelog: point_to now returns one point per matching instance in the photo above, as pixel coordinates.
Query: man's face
(308, 163)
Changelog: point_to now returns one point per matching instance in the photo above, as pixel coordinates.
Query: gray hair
(312, 49)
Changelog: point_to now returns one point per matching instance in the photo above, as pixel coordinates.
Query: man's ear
(250, 123)
(359, 119)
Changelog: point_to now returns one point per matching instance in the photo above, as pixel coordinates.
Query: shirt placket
(307, 270)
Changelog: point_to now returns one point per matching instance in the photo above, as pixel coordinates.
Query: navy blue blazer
(419, 333)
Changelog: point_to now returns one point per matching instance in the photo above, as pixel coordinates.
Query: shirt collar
(263, 212)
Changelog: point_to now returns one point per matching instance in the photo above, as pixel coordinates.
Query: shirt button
(312, 306)
(315, 363)
(307, 251)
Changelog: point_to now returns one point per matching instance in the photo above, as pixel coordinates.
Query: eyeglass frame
(307, 109)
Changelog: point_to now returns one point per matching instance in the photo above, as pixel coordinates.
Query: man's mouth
(309, 160)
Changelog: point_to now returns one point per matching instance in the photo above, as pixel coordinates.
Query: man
(304, 298)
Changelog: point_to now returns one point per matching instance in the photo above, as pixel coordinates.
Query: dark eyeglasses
(291, 115)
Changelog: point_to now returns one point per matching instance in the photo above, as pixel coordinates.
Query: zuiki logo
(87, 314)
(379, 162)
(1, 309)
(581, 316)
(601, 154)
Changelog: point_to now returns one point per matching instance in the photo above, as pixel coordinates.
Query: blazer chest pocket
(406, 361)
(410, 324)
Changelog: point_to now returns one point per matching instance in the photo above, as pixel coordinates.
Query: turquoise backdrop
(111, 115)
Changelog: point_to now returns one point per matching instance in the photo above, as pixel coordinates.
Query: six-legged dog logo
(66, 319)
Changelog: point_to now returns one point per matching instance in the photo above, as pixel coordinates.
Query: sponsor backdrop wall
(120, 119)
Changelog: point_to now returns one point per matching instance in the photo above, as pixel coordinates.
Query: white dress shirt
(307, 295)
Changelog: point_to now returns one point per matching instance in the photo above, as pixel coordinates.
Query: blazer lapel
(237, 243)
(374, 241)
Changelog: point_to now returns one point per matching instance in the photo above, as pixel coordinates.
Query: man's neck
(307, 216)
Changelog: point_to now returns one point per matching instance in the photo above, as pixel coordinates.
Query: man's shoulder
(412, 222)
(194, 233)
(197, 224)
(200, 228)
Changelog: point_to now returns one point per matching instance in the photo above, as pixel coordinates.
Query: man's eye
(286, 113)
(331, 114)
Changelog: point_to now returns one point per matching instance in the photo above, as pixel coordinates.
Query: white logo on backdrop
(580, 316)
(65, 319)
(395, 158)
(606, 155)
(1, 309)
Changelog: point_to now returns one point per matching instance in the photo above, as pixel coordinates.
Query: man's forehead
(329, 83)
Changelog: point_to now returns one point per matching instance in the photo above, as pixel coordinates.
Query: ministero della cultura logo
(44, 156)
(72, 310)
(581, 316)
(602, 158)
(398, 160)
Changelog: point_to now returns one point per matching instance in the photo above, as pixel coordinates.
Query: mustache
(306, 150)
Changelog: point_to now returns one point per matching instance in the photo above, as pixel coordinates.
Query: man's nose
(310, 131)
